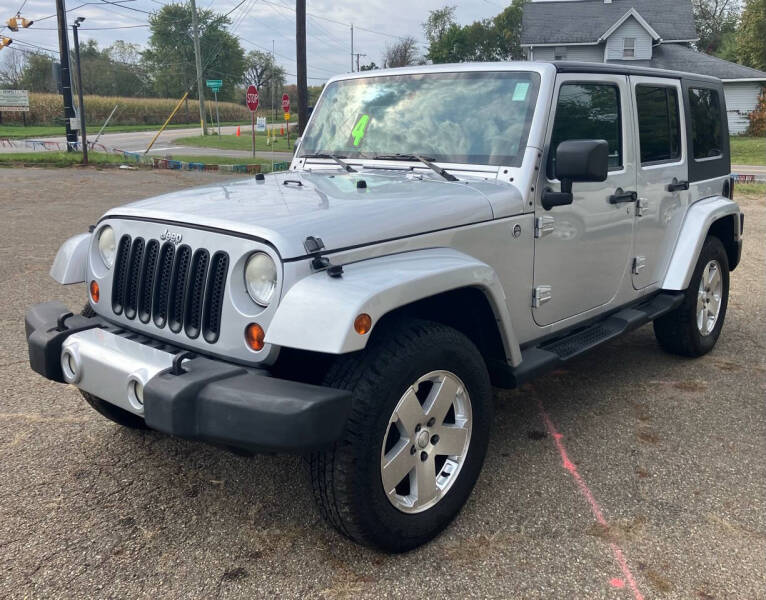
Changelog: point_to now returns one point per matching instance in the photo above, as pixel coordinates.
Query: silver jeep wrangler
(441, 229)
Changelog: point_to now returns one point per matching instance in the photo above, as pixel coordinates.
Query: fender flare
(71, 262)
(318, 312)
(699, 218)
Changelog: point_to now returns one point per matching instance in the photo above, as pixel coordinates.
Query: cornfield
(47, 109)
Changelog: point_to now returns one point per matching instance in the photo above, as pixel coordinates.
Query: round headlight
(107, 246)
(261, 278)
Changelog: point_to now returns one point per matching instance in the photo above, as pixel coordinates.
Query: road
(137, 141)
(759, 171)
(670, 452)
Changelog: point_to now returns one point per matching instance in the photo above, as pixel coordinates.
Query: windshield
(478, 118)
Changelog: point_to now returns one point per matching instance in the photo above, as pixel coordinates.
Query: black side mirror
(577, 160)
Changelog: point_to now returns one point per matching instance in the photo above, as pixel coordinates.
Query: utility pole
(352, 47)
(358, 54)
(273, 91)
(300, 57)
(75, 28)
(66, 78)
(198, 61)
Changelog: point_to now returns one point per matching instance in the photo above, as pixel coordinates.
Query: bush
(758, 117)
(47, 109)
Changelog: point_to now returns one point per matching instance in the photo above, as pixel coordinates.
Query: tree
(751, 36)
(371, 67)
(262, 72)
(12, 65)
(498, 38)
(402, 54)
(714, 19)
(170, 55)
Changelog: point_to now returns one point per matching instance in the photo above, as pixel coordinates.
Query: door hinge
(542, 294)
(544, 226)
(641, 205)
(639, 264)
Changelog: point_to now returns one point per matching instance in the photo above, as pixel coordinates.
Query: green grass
(748, 150)
(58, 159)
(68, 159)
(749, 189)
(232, 142)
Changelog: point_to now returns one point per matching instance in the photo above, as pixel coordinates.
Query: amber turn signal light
(95, 293)
(363, 323)
(254, 336)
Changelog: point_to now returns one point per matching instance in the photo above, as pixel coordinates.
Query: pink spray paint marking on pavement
(619, 557)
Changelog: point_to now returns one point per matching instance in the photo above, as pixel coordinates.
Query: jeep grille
(170, 286)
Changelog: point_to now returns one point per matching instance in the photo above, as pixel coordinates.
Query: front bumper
(184, 395)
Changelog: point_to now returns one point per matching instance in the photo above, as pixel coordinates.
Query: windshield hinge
(544, 226)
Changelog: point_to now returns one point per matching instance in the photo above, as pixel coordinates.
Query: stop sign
(252, 98)
(285, 103)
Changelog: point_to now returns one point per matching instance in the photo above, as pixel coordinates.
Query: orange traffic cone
(282, 130)
(237, 130)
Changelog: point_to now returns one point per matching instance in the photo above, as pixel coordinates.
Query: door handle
(620, 197)
(678, 186)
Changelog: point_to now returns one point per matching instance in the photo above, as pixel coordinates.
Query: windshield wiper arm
(337, 159)
(426, 160)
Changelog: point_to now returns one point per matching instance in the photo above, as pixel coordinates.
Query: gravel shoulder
(671, 450)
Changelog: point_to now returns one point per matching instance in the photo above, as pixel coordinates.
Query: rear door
(582, 250)
(663, 181)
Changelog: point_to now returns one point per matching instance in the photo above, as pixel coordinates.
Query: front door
(582, 251)
(663, 180)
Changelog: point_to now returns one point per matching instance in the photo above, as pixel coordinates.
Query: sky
(256, 23)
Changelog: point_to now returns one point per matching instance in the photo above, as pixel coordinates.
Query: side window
(659, 126)
(588, 111)
(629, 47)
(705, 109)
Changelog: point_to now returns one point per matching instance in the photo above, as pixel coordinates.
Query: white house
(651, 33)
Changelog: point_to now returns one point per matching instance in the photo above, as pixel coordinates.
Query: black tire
(346, 479)
(107, 409)
(677, 332)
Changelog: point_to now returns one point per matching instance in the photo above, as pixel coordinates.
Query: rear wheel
(107, 409)
(693, 328)
(415, 441)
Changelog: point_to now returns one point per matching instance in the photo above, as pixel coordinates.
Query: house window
(588, 111)
(560, 53)
(707, 123)
(659, 126)
(629, 47)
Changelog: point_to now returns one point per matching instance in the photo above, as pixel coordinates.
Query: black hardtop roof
(622, 69)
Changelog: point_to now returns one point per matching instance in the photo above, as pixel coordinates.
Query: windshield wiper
(336, 158)
(426, 160)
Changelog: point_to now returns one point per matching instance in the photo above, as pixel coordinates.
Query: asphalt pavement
(138, 141)
(630, 474)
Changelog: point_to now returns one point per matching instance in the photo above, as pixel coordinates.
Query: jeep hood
(285, 208)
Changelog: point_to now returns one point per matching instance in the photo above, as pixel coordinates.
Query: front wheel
(693, 328)
(415, 441)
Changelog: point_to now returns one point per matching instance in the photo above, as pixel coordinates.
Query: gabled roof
(641, 21)
(586, 21)
(677, 57)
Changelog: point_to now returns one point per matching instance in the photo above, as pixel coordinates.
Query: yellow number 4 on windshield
(358, 131)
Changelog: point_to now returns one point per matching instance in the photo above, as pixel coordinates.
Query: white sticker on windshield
(520, 92)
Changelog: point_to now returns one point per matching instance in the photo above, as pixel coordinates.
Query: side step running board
(552, 354)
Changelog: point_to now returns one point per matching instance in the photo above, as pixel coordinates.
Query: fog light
(136, 394)
(363, 323)
(70, 367)
(254, 336)
(95, 293)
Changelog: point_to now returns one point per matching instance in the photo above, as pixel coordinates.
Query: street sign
(287, 116)
(260, 124)
(252, 98)
(14, 100)
(214, 84)
(286, 103)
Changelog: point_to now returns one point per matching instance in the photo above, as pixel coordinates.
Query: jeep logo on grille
(171, 237)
